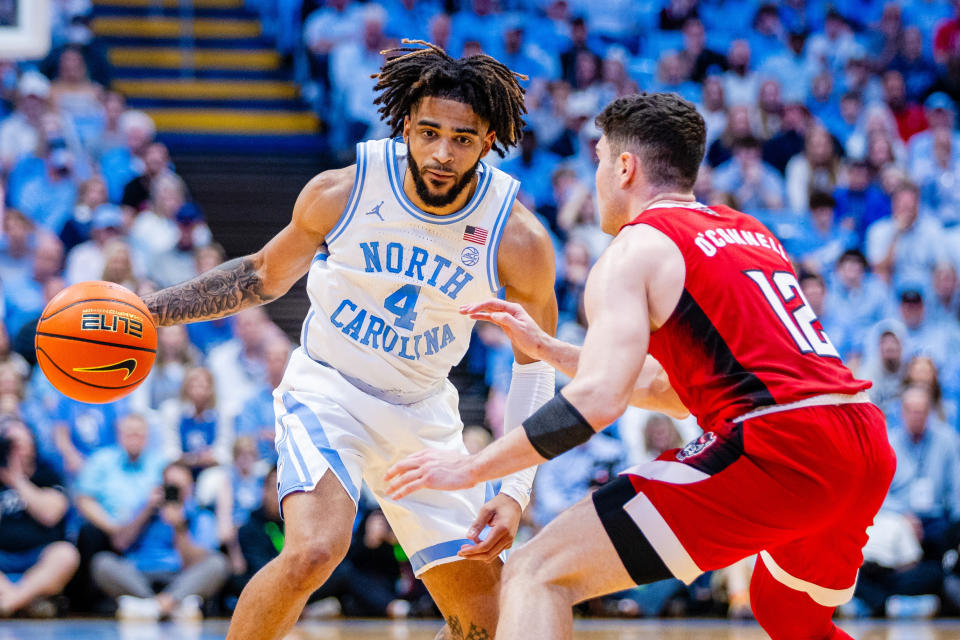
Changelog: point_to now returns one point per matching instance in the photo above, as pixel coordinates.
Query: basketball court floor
(426, 630)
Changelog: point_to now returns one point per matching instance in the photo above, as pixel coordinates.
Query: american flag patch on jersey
(475, 234)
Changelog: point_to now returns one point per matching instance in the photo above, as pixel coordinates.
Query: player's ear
(406, 129)
(488, 141)
(627, 168)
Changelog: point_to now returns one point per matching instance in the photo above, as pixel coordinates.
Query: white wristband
(531, 386)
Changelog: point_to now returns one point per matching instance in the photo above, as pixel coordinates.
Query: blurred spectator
(767, 37)
(112, 136)
(671, 78)
(851, 110)
(918, 72)
(86, 261)
(814, 289)
(778, 150)
(532, 167)
(197, 432)
(519, 55)
(814, 171)
(256, 419)
(922, 372)
(118, 264)
(409, 18)
(24, 297)
(822, 240)
(876, 120)
(791, 67)
(76, 95)
(923, 336)
(113, 487)
(237, 364)
(240, 493)
(121, 164)
(336, 22)
(740, 83)
(714, 108)
(752, 184)
(910, 117)
(23, 340)
(769, 113)
(738, 126)
(36, 560)
(884, 361)
(676, 13)
(77, 229)
(169, 542)
(178, 263)
(12, 359)
(945, 301)
(20, 131)
(580, 49)
(857, 298)
(945, 37)
(44, 185)
(926, 487)
(886, 36)
(155, 230)
(17, 246)
(660, 435)
(893, 566)
(821, 101)
(82, 428)
(695, 55)
(905, 247)
(156, 161)
(175, 356)
(939, 179)
(831, 48)
(941, 113)
(352, 62)
(862, 201)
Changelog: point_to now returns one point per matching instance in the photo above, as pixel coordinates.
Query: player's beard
(438, 199)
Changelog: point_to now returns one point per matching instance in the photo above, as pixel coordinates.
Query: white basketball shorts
(324, 422)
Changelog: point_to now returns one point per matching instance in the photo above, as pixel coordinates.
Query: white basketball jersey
(386, 289)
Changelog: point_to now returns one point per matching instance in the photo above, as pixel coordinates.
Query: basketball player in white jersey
(393, 247)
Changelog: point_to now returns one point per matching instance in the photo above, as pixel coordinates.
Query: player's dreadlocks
(482, 82)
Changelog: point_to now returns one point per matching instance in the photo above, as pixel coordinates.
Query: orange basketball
(96, 341)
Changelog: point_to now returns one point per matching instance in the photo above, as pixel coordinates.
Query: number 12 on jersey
(799, 323)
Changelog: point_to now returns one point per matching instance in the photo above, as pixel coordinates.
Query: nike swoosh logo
(130, 365)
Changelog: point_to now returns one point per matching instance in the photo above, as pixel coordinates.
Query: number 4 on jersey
(401, 303)
(799, 324)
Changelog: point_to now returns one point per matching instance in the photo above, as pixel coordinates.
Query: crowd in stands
(832, 122)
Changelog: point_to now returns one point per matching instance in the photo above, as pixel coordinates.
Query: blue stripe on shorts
(315, 430)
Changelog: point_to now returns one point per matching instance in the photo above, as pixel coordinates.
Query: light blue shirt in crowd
(927, 481)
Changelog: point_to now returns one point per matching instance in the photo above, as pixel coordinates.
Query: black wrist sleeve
(556, 427)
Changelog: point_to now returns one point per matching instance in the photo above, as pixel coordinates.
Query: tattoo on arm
(220, 292)
(454, 631)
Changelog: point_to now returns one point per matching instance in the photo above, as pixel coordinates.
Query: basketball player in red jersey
(700, 306)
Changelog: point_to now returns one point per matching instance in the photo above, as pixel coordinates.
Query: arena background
(159, 137)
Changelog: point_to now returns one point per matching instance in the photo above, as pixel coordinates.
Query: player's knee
(309, 565)
(529, 568)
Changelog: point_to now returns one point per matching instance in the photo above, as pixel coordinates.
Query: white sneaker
(189, 609)
(133, 608)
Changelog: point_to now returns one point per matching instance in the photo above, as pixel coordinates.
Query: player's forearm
(561, 355)
(511, 453)
(217, 293)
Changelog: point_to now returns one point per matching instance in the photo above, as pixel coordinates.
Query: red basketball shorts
(799, 487)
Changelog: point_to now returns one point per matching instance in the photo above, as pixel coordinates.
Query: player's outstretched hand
(523, 331)
(429, 469)
(502, 515)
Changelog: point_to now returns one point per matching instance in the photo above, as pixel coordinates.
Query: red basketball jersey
(743, 335)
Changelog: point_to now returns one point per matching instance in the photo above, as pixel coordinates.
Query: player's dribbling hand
(502, 514)
(429, 469)
(523, 331)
